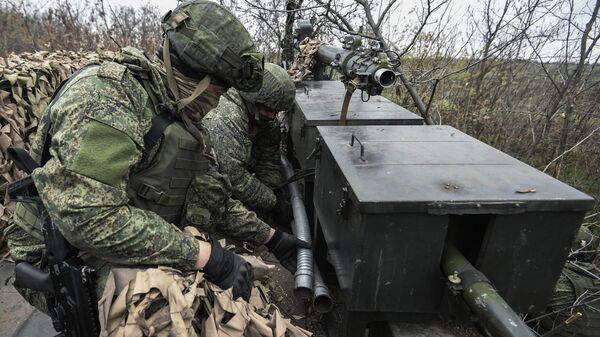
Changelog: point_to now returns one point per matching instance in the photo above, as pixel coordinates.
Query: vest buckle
(152, 193)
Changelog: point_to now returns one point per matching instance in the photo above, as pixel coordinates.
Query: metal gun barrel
(385, 77)
(481, 297)
(350, 62)
(327, 54)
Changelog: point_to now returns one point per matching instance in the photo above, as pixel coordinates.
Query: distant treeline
(75, 25)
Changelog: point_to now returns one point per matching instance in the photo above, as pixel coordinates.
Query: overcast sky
(458, 6)
(165, 5)
(403, 15)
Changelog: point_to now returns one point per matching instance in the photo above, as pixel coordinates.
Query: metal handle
(362, 147)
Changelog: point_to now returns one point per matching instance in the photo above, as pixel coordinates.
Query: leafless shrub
(76, 25)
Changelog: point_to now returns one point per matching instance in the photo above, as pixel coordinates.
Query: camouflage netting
(305, 59)
(27, 82)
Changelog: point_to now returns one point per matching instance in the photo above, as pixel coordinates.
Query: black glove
(280, 199)
(227, 269)
(285, 248)
(282, 211)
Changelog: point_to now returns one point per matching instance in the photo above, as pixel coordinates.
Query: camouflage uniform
(97, 142)
(247, 147)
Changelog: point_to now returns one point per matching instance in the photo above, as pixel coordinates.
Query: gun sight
(369, 65)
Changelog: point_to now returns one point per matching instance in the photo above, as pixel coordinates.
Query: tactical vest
(159, 183)
(161, 186)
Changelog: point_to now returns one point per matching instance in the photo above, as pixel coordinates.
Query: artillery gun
(367, 69)
(418, 223)
(369, 66)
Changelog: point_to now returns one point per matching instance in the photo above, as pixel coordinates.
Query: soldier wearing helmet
(246, 137)
(124, 159)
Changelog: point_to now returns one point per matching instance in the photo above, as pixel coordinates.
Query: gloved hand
(285, 248)
(282, 211)
(228, 270)
(280, 199)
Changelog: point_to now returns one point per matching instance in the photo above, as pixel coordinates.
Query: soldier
(124, 157)
(247, 136)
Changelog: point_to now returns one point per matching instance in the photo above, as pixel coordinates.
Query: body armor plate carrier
(162, 184)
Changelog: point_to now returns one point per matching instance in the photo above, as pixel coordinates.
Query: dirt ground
(280, 285)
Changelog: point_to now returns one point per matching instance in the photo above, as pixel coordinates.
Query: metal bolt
(454, 278)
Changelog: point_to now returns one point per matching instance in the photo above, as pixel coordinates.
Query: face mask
(184, 91)
(200, 106)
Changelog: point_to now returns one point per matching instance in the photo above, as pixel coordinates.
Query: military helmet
(277, 92)
(206, 38)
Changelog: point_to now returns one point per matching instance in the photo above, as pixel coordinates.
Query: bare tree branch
(384, 13)
(424, 23)
(572, 148)
(282, 10)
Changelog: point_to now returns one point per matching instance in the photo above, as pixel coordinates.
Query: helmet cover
(277, 92)
(207, 38)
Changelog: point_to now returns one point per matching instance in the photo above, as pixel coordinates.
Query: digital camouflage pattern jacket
(98, 125)
(248, 154)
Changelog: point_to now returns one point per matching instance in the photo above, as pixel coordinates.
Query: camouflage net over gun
(305, 59)
(27, 82)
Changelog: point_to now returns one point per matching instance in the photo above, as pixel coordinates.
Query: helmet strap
(169, 69)
(198, 90)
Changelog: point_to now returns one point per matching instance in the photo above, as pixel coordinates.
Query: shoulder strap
(159, 123)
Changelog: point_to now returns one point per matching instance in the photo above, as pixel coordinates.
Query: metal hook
(362, 92)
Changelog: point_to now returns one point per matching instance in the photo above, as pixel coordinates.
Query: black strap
(299, 176)
(159, 123)
(47, 139)
(22, 189)
(22, 159)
